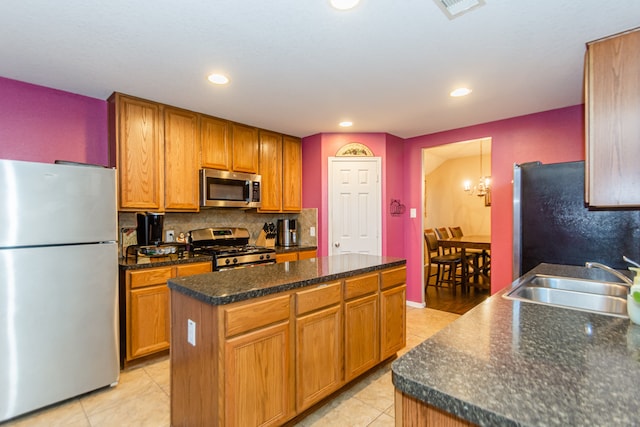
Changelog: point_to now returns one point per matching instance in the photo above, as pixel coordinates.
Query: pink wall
(42, 125)
(318, 148)
(550, 137)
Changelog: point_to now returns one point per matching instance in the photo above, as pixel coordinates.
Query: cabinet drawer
(307, 254)
(150, 276)
(290, 256)
(396, 276)
(255, 315)
(320, 296)
(361, 285)
(190, 269)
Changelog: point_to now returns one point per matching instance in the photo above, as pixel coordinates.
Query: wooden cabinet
(319, 338)
(156, 155)
(361, 336)
(307, 254)
(215, 143)
(257, 362)
(146, 309)
(245, 148)
(296, 255)
(181, 153)
(393, 311)
(291, 174)
(613, 130)
(286, 257)
(263, 361)
(136, 137)
(281, 171)
(271, 171)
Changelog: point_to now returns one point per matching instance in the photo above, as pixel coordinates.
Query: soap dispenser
(633, 298)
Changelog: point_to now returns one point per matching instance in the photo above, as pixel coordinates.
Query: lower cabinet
(145, 309)
(257, 368)
(296, 255)
(263, 361)
(319, 347)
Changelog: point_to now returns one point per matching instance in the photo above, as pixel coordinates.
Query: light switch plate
(312, 231)
(413, 213)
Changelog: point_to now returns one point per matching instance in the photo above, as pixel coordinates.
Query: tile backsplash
(249, 219)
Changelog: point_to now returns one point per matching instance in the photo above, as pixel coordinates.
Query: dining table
(463, 243)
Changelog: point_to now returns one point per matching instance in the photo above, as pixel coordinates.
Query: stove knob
(235, 260)
(268, 256)
(227, 261)
(261, 257)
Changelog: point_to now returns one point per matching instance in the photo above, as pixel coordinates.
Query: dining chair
(482, 258)
(446, 264)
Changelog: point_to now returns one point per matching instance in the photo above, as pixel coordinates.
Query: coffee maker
(149, 229)
(287, 233)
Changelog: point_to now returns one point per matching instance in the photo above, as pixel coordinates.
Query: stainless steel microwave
(222, 189)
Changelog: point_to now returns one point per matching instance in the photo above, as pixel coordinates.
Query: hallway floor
(142, 396)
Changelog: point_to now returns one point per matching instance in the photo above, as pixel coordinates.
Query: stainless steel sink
(579, 294)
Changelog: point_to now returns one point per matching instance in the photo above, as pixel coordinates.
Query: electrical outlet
(312, 231)
(191, 332)
(169, 236)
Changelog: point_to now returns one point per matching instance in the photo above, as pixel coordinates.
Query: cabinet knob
(336, 244)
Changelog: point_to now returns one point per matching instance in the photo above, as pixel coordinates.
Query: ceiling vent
(455, 8)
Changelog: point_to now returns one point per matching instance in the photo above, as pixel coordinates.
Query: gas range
(229, 247)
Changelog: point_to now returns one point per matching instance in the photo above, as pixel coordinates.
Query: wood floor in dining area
(442, 298)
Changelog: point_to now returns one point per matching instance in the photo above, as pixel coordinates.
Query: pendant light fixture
(484, 182)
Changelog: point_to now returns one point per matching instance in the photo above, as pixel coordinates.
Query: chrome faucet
(627, 281)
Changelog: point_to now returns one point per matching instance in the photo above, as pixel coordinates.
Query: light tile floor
(142, 396)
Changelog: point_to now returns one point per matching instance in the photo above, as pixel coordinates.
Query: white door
(354, 205)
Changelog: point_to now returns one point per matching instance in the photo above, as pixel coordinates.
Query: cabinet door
(613, 130)
(181, 160)
(215, 142)
(292, 174)
(245, 148)
(318, 356)
(140, 154)
(271, 171)
(149, 324)
(393, 320)
(258, 377)
(361, 345)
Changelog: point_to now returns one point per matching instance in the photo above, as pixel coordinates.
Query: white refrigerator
(58, 283)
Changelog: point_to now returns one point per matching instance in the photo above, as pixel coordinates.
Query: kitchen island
(510, 363)
(260, 345)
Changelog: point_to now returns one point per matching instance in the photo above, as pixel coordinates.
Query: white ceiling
(300, 67)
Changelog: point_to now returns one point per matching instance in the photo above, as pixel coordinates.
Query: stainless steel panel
(58, 320)
(49, 204)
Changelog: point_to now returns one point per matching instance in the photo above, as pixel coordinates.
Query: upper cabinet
(281, 170)
(271, 171)
(156, 155)
(612, 95)
(159, 150)
(291, 174)
(245, 148)
(181, 154)
(215, 140)
(136, 134)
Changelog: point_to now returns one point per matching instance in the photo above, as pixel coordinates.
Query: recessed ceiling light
(344, 4)
(346, 124)
(461, 91)
(219, 79)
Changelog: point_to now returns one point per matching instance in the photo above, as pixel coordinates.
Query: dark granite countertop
(287, 249)
(508, 363)
(173, 259)
(224, 287)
